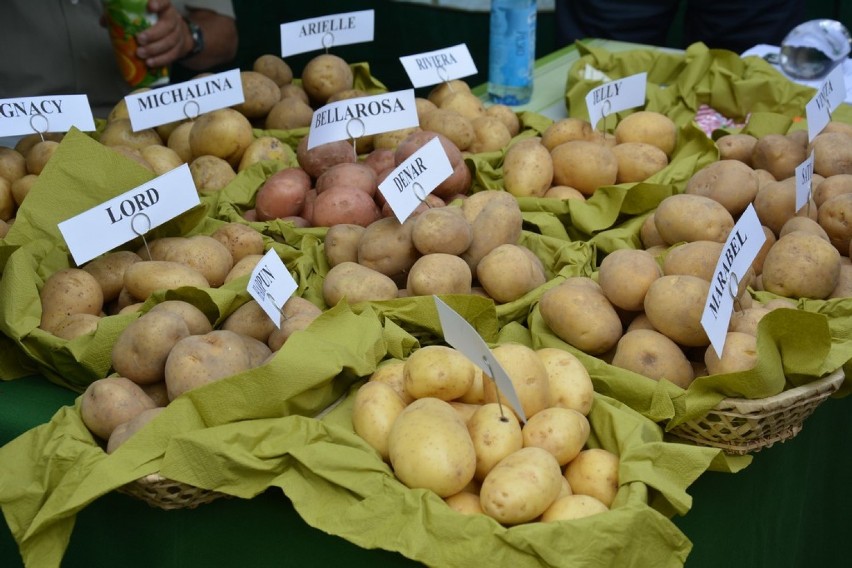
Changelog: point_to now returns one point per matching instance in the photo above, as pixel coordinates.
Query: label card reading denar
(53, 113)
(804, 181)
(179, 101)
(129, 215)
(327, 31)
(410, 182)
(616, 96)
(363, 116)
(831, 93)
(271, 285)
(433, 67)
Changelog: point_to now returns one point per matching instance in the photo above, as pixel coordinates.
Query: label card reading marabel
(52, 113)
(433, 67)
(463, 337)
(325, 32)
(616, 96)
(129, 215)
(354, 118)
(739, 252)
(180, 101)
(271, 285)
(804, 181)
(830, 94)
(410, 182)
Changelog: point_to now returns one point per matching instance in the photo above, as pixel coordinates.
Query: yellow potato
(507, 116)
(495, 433)
(376, 407)
(696, 258)
(653, 355)
(196, 320)
(274, 67)
(264, 149)
(198, 360)
(438, 371)
(565, 130)
(108, 269)
(224, 133)
(649, 127)
(204, 254)
(594, 472)
(736, 147)
(584, 165)
(69, 291)
(625, 276)
(141, 350)
(738, 354)
(801, 265)
(243, 267)
(509, 272)
(386, 247)
(779, 155)
(392, 373)
(637, 161)
(685, 217)
(324, 75)
(439, 273)
(527, 374)
(561, 431)
(145, 277)
(440, 229)
(107, 403)
(674, 305)
(240, 240)
(581, 316)
(775, 204)
(527, 168)
(495, 219)
(569, 381)
(521, 486)
(260, 93)
(250, 319)
(125, 430)
(730, 182)
(465, 503)
(573, 507)
(76, 325)
(356, 283)
(211, 173)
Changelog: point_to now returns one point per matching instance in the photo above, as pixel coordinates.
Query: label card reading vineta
(433, 67)
(363, 116)
(410, 182)
(52, 113)
(326, 32)
(804, 181)
(463, 337)
(739, 252)
(830, 94)
(271, 285)
(129, 215)
(180, 101)
(616, 96)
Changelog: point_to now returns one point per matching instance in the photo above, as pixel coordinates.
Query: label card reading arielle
(410, 182)
(326, 32)
(616, 96)
(739, 252)
(830, 94)
(52, 113)
(271, 284)
(804, 181)
(463, 337)
(433, 67)
(180, 101)
(129, 215)
(354, 118)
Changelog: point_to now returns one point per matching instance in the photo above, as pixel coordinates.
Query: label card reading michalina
(616, 96)
(327, 31)
(410, 182)
(433, 67)
(129, 215)
(271, 285)
(52, 113)
(831, 93)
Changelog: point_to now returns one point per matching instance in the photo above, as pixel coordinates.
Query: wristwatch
(197, 38)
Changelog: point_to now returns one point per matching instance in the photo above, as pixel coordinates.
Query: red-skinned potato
(380, 159)
(344, 205)
(357, 175)
(458, 182)
(282, 194)
(320, 158)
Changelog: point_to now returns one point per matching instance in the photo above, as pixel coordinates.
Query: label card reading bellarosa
(271, 285)
(804, 181)
(129, 215)
(426, 168)
(829, 96)
(616, 96)
(184, 100)
(462, 336)
(433, 67)
(325, 32)
(52, 113)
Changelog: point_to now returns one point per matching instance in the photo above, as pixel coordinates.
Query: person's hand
(168, 39)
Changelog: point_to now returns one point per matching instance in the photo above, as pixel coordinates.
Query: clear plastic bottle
(511, 54)
(811, 50)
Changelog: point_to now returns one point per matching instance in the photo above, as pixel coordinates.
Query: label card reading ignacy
(410, 182)
(353, 118)
(433, 67)
(129, 215)
(831, 93)
(180, 101)
(804, 181)
(52, 113)
(327, 31)
(616, 96)
(271, 285)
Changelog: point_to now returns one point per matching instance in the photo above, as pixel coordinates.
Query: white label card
(271, 284)
(363, 116)
(804, 181)
(326, 32)
(830, 94)
(433, 67)
(616, 96)
(463, 337)
(52, 113)
(129, 215)
(410, 182)
(186, 100)
(739, 252)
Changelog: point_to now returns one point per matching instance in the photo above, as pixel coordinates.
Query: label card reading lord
(433, 67)
(616, 96)
(327, 31)
(271, 285)
(410, 182)
(739, 252)
(462, 336)
(52, 113)
(353, 118)
(829, 96)
(804, 181)
(129, 215)
(189, 99)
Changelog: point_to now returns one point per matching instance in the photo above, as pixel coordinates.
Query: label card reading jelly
(363, 116)
(739, 252)
(830, 94)
(129, 215)
(180, 101)
(433, 67)
(410, 182)
(52, 113)
(463, 337)
(271, 285)
(326, 32)
(616, 96)
(804, 181)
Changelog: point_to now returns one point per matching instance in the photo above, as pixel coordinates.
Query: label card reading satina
(616, 96)
(804, 181)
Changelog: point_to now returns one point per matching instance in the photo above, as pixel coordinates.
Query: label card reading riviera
(180, 101)
(129, 215)
(433, 67)
(463, 337)
(804, 181)
(830, 94)
(271, 285)
(52, 113)
(616, 96)
(363, 116)
(326, 32)
(410, 182)
(739, 252)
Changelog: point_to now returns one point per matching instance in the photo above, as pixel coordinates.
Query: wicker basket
(166, 494)
(740, 426)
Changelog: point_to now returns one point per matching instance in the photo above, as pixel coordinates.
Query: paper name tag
(463, 337)
(363, 116)
(616, 96)
(271, 284)
(433, 67)
(739, 252)
(831, 93)
(410, 182)
(180, 101)
(325, 32)
(129, 215)
(54, 113)
(804, 181)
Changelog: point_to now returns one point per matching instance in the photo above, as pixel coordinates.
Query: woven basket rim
(830, 382)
